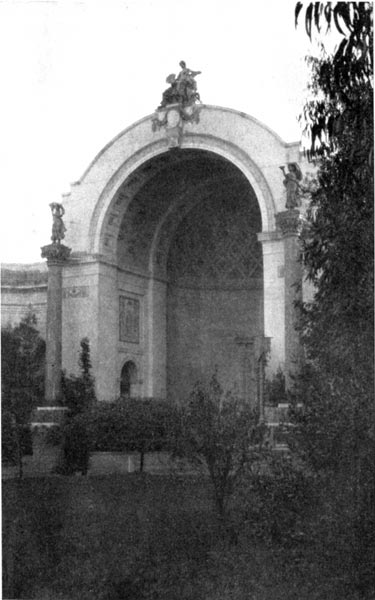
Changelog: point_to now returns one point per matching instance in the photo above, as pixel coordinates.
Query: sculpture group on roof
(182, 89)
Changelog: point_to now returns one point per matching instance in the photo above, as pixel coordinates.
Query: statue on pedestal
(56, 251)
(292, 185)
(183, 88)
(58, 227)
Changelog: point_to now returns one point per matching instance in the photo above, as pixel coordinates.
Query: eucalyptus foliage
(334, 431)
(338, 239)
(342, 84)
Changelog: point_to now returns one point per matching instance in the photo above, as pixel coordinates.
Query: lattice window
(217, 243)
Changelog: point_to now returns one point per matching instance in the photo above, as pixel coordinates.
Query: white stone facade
(130, 220)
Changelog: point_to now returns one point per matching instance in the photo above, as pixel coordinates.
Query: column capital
(289, 222)
(55, 253)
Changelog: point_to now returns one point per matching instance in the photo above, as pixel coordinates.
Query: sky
(76, 73)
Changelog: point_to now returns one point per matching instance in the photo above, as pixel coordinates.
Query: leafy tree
(342, 83)
(275, 391)
(335, 431)
(132, 425)
(147, 426)
(22, 386)
(338, 238)
(79, 390)
(221, 432)
(23, 358)
(79, 396)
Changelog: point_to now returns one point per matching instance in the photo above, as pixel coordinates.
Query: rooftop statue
(58, 227)
(292, 185)
(182, 89)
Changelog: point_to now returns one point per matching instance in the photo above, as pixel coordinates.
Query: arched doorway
(128, 379)
(190, 272)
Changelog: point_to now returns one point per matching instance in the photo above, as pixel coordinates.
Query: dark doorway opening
(128, 378)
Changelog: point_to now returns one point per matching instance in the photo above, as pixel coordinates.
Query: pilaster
(273, 302)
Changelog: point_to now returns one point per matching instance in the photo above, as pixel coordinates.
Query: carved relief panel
(129, 330)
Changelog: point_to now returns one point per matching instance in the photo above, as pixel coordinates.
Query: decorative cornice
(55, 253)
(289, 222)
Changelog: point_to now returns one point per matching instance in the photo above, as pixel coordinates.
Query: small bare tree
(222, 432)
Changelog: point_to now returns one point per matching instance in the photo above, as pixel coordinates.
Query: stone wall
(24, 290)
(215, 294)
(205, 330)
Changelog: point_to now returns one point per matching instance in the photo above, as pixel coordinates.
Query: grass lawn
(138, 536)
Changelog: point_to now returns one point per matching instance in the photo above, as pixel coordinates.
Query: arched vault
(169, 224)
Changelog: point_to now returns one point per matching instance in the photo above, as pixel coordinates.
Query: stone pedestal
(288, 222)
(56, 254)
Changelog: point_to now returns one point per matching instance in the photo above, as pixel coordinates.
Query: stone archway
(193, 206)
(123, 219)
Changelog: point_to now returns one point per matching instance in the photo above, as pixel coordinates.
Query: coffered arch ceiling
(164, 191)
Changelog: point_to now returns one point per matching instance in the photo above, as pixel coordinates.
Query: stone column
(46, 457)
(288, 222)
(56, 254)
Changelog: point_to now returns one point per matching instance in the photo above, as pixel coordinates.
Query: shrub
(54, 436)
(79, 390)
(274, 498)
(133, 425)
(76, 446)
(23, 359)
(333, 433)
(79, 395)
(26, 440)
(22, 386)
(9, 442)
(16, 432)
(220, 431)
(275, 391)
